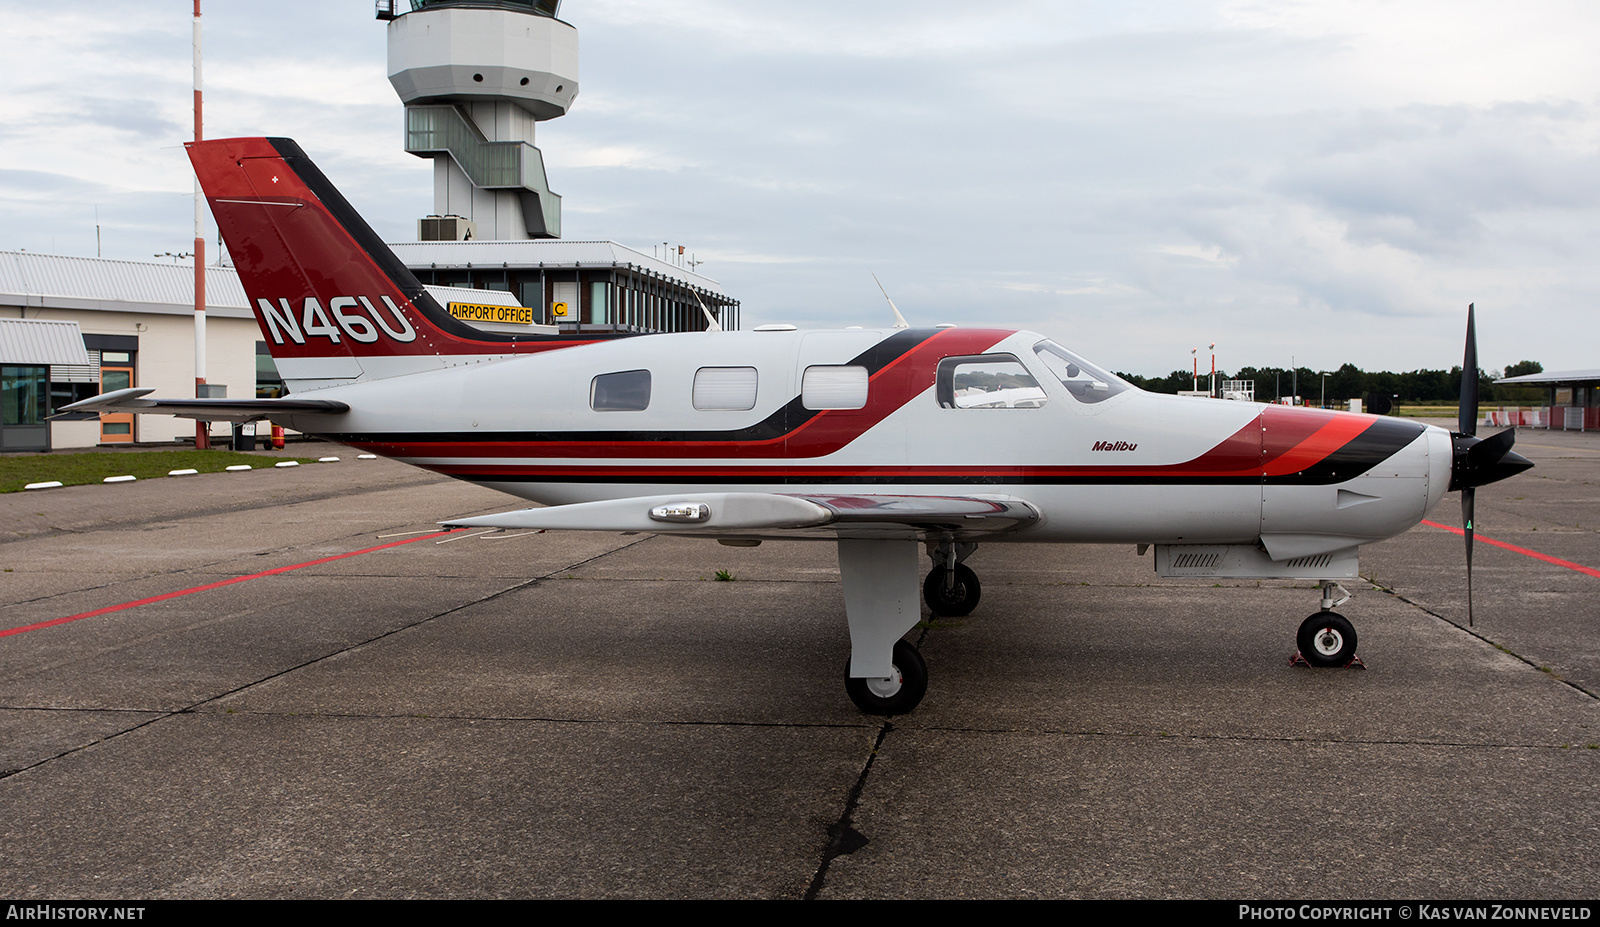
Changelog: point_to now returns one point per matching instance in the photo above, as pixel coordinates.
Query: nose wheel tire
(897, 694)
(1327, 639)
(957, 601)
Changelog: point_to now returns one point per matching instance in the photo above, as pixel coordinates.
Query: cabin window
(1085, 381)
(725, 389)
(628, 391)
(987, 381)
(843, 387)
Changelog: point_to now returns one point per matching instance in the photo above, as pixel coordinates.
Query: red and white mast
(202, 431)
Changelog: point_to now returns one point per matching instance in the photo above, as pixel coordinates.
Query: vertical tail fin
(334, 303)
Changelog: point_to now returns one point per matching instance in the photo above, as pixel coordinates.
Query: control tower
(476, 77)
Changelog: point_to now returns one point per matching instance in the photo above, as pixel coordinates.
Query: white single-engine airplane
(888, 442)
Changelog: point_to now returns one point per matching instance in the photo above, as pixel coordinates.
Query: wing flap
(957, 516)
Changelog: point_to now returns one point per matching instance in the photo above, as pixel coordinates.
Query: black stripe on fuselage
(792, 415)
(1378, 443)
(853, 479)
(1367, 450)
(869, 479)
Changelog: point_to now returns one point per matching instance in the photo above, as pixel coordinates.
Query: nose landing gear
(952, 588)
(1326, 638)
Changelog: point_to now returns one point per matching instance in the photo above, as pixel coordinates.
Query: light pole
(1213, 385)
(1194, 355)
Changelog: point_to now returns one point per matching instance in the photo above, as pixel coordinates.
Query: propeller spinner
(1477, 461)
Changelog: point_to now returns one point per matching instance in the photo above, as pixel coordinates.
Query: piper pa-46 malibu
(888, 442)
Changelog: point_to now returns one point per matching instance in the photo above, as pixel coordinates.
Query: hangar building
(1572, 401)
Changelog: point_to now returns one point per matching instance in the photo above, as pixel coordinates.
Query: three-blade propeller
(1477, 461)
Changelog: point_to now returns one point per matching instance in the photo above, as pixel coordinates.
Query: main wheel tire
(1327, 639)
(896, 695)
(959, 601)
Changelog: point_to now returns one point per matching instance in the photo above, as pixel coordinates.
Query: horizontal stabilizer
(205, 410)
(775, 515)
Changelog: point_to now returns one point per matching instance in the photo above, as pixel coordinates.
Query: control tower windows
(537, 7)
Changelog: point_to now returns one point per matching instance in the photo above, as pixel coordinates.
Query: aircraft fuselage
(1105, 465)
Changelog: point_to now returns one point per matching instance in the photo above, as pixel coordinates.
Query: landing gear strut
(886, 675)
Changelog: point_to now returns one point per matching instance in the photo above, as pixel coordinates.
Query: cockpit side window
(1086, 382)
(987, 381)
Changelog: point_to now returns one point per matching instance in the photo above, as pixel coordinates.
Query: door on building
(115, 428)
(564, 302)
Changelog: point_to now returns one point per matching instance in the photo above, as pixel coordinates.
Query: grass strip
(79, 469)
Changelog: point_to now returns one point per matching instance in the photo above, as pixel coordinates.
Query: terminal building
(135, 320)
(476, 78)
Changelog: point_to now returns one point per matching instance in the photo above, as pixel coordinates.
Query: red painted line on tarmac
(1521, 550)
(217, 585)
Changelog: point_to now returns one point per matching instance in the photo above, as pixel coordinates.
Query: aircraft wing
(205, 410)
(778, 515)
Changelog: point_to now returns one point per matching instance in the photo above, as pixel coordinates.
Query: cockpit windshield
(1085, 381)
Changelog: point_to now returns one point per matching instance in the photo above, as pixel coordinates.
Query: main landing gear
(886, 675)
(895, 694)
(1327, 638)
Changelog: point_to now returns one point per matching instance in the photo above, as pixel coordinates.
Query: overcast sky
(1328, 181)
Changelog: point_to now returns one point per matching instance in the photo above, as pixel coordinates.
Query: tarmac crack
(843, 838)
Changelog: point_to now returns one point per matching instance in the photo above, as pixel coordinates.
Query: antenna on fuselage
(712, 325)
(899, 320)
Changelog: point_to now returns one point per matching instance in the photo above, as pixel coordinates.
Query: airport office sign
(474, 312)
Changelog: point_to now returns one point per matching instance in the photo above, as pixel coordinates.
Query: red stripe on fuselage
(1297, 439)
(1278, 441)
(890, 388)
(1294, 440)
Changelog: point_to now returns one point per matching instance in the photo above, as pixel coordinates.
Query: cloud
(1334, 181)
